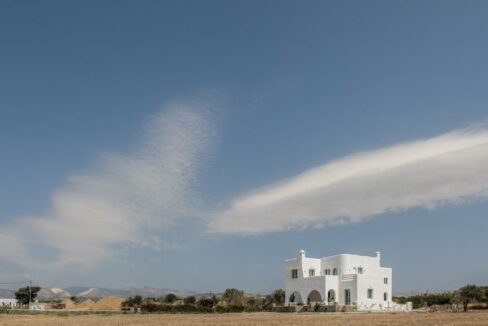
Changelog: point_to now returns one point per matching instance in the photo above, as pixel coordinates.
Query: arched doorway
(314, 296)
(295, 297)
(331, 296)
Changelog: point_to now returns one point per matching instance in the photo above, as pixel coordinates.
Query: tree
(208, 303)
(234, 297)
(23, 295)
(468, 294)
(399, 299)
(133, 301)
(279, 297)
(255, 303)
(268, 302)
(170, 298)
(190, 300)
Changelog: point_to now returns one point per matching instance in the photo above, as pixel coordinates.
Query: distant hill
(97, 293)
(84, 292)
(7, 294)
(53, 294)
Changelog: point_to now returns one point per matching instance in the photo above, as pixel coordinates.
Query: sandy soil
(439, 318)
(110, 303)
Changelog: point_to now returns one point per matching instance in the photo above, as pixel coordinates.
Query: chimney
(301, 256)
(378, 255)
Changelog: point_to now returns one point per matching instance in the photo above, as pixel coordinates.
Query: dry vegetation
(439, 318)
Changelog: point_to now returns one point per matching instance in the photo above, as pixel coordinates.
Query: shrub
(229, 309)
(155, 307)
(478, 306)
(170, 298)
(427, 299)
(234, 297)
(208, 303)
(400, 300)
(278, 297)
(190, 300)
(316, 307)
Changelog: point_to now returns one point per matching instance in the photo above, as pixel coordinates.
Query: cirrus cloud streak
(129, 200)
(426, 173)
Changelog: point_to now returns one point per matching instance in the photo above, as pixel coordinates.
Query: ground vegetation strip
(261, 318)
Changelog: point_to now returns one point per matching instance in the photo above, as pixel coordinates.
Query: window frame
(294, 273)
(370, 291)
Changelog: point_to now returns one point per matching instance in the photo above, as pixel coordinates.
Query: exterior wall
(349, 282)
(332, 283)
(304, 286)
(37, 306)
(356, 273)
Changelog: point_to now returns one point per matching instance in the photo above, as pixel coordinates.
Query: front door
(347, 296)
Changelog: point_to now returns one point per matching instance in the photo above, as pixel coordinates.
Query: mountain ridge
(85, 292)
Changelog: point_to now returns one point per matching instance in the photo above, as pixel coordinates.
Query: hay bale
(68, 304)
(110, 303)
(87, 304)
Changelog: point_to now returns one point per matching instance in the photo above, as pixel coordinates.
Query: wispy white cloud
(123, 202)
(424, 173)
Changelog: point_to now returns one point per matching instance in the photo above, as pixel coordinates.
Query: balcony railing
(348, 277)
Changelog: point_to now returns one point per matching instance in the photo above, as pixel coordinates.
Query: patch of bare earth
(439, 318)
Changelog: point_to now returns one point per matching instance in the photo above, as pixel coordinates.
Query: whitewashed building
(342, 279)
(11, 303)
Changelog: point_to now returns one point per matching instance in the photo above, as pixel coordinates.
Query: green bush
(400, 300)
(155, 307)
(229, 309)
(427, 299)
(208, 303)
(170, 298)
(316, 307)
(190, 300)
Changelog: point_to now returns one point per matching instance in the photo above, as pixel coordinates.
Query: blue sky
(142, 143)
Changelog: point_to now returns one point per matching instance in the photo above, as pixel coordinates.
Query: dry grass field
(438, 318)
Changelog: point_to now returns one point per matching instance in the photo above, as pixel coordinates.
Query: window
(311, 272)
(294, 273)
(327, 271)
(360, 270)
(385, 280)
(370, 293)
(385, 296)
(334, 271)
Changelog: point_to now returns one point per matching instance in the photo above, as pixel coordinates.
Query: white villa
(342, 279)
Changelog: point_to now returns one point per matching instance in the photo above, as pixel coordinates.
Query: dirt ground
(438, 318)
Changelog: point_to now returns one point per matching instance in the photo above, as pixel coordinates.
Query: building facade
(11, 303)
(342, 279)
